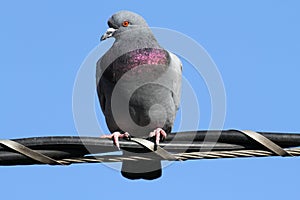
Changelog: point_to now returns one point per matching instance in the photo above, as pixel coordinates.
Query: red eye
(125, 23)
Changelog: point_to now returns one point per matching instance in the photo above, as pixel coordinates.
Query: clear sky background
(255, 45)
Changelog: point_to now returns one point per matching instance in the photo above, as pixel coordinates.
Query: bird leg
(158, 133)
(115, 137)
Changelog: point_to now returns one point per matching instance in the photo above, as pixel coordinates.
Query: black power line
(179, 144)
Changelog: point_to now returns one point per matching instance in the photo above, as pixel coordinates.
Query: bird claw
(159, 135)
(115, 137)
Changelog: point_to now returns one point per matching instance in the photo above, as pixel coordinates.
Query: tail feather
(149, 169)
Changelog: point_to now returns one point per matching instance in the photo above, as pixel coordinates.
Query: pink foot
(159, 132)
(115, 137)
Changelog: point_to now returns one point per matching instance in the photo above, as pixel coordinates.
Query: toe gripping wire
(272, 150)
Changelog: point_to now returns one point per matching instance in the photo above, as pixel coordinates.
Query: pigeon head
(123, 21)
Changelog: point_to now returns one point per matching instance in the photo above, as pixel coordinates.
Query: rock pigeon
(139, 87)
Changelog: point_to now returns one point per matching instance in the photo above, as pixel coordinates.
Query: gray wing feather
(100, 89)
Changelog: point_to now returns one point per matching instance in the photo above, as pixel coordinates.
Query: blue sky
(255, 45)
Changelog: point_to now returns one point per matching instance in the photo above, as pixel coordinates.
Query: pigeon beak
(109, 33)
